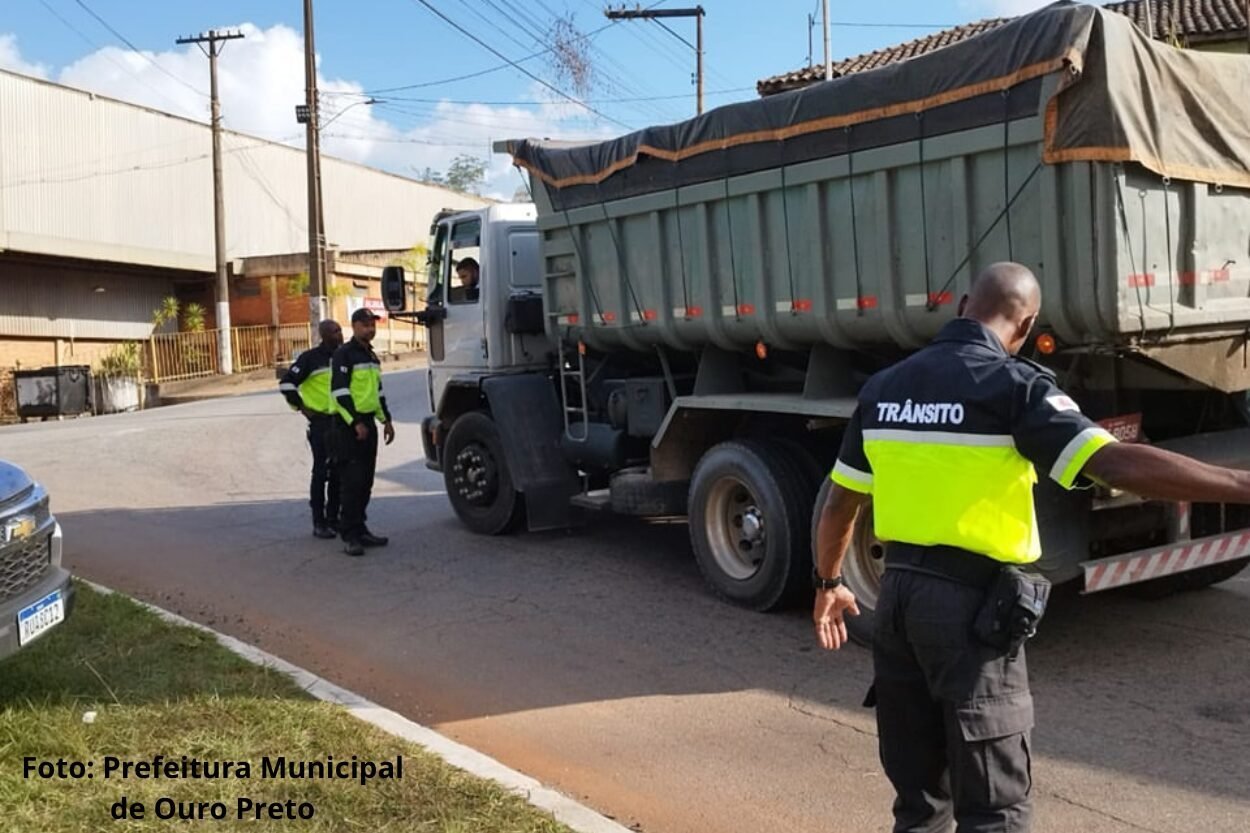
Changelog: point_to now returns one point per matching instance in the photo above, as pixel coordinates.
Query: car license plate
(40, 617)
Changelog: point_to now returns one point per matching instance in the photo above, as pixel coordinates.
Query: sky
(410, 60)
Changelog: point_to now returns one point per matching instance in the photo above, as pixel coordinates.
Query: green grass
(162, 689)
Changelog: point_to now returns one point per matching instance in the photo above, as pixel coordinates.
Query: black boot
(371, 540)
(324, 530)
(353, 548)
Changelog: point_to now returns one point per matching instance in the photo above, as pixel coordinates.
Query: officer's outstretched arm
(1164, 475)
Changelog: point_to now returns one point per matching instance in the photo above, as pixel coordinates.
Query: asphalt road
(596, 661)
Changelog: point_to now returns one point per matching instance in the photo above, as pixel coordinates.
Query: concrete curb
(567, 811)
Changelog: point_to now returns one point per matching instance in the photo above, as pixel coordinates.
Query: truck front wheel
(749, 504)
(478, 481)
(862, 568)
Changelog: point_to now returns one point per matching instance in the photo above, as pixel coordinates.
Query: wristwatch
(821, 583)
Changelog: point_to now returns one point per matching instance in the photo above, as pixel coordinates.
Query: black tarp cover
(1121, 97)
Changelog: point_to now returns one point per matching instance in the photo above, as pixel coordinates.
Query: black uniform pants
(356, 462)
(953, 715)
(324, 489)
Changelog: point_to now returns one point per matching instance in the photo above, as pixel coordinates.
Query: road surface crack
(1103, 813)
(795, 706)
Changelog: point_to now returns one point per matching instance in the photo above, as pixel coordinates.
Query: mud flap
(527, 414)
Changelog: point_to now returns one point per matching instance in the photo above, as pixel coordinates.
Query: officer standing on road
(306, 386)
(945, 444)
(357, 389)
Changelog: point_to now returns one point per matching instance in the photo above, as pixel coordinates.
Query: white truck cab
(468, 332)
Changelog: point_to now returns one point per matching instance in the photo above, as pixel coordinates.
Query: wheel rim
(865, 563)
(475, 475)
(735, 527)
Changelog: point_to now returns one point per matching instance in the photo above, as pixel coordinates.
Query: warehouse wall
(86, 176)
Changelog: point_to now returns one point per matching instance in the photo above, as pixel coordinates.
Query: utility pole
(657, 14)
(211, 44)
(316, 218)
(828, 59)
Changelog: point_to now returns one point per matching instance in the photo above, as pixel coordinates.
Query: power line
(136, 49)
(519, 103)
(859, 25)
(401, 140)
(515, 65)
(86, 39)
(152, 166)
(507, 63)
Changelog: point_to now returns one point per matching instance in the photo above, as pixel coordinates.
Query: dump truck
(680, 321)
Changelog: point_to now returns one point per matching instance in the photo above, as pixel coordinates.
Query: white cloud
(261, 79)
(11, 58)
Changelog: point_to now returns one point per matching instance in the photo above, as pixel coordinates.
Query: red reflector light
(1046, 344)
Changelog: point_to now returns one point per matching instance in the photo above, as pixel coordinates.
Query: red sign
(1126, 429)
(377, 307)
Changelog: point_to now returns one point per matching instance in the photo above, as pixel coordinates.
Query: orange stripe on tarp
(937, 299)
(574, 318)
(801, 305)
(1069, 57)
(609, 317)
(867, 302)
(1144, 279)
(649, 315)
(1219, 275)
(694, 312)
(746, 309)
(1188, 278)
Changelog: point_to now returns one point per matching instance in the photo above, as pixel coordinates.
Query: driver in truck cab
(469, 274)
(948, 444)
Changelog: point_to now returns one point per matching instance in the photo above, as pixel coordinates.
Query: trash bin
(53, 391)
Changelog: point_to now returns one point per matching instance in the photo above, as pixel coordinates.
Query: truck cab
(483, 310)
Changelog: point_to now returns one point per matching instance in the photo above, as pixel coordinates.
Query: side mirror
(394, 293)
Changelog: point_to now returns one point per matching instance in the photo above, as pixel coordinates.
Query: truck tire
(807, 462)
(1205, 521)
(476, 474)
(862, 568)
(749, 505)
(633, 492)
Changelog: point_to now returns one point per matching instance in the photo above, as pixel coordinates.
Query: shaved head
(331, 333)
(1006, 298)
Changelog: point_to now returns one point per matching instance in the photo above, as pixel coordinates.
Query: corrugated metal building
(107, 207)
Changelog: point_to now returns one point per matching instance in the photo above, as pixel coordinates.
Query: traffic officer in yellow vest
(306, 386)
(947, 444)
(356, 384)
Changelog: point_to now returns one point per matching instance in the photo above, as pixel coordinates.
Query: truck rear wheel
(476, 474)
(862, 568)
(749, 504)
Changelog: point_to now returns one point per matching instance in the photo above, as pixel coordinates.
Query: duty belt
(942, 561)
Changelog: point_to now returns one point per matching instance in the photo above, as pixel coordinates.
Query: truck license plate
(40, 617)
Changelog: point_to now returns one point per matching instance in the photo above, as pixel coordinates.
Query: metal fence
(171, 357)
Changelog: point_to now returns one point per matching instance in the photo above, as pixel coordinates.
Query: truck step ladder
(574, 413)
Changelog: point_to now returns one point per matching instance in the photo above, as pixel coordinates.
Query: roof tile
(1185, 19)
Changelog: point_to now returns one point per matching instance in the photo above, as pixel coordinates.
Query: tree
(466, 173)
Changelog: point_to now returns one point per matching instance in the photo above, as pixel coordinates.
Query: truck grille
(23, 565)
